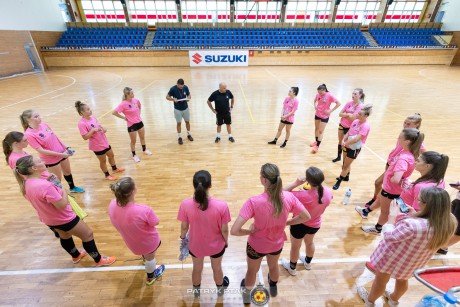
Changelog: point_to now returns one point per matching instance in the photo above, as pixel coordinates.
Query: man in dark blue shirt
(180, 94)
(222, 99)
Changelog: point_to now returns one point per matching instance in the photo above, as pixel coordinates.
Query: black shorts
(67, 226)
(456, 213)
(223, 119)
(156, 248)
(342, 128)
(251, 253)
(352, 154)
(324, 120)
(300, 230)
(136, 126)
(102, 152)
(54, 164)
(388, 195)
(286, 122)
(220, 254)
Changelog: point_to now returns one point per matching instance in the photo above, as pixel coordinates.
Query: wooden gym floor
(34, 270)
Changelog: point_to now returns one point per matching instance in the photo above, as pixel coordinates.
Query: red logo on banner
(197, 58)
(251, 52)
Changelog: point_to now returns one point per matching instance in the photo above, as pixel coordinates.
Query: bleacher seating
(405, 37)
(184, 38)
(102, 37)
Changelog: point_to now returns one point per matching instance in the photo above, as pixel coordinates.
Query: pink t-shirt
(131, 110)
(410, 195)
(290, 105)
(269, 236)
(405, 163)
(98, 141)
(323, 104)
(42, 194)
(136, 225)
(360, 128)
(397, 150)
(351, 108)
(309, 199)
(205, 234)
(45, 138)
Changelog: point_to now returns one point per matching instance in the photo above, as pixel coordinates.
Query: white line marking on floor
(57, 96)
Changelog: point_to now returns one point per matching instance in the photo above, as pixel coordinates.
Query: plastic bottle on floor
(346, 199)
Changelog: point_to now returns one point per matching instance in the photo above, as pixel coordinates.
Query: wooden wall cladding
(13, 56)
(45, 38)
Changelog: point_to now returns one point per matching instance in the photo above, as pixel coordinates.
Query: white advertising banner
(198, 58)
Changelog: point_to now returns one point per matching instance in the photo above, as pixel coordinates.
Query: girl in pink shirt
(136, 224)
(348, 114)
(290, 105)
(353, 141)
(432, 166)
(315, 200)
(53, 209)
(130, 107)
(395, 178)
(270, 211)
(412, 121)
(322, 102)
(51, 150)
(92, 131)
(408, 244)
(206, 219)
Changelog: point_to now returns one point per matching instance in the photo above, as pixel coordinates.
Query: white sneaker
(363, 294)
(390, 301)
(360, 211)
(136, 159)
(147, 152)
(287, 265)
(371, 229)
(305, 264)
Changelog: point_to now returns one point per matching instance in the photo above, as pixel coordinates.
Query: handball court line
(246, 101)
(189, 266)
(331, 120)
(28, 99)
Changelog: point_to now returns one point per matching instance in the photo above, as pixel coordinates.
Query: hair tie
(199, 183)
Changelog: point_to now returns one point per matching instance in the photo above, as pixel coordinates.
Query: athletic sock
(150, 266)
(106, 174)
(316, 139)
(318, 143)
(308, 259)
(292, 265)
(133, 152)
(218, 135)
(69, 180)
(272, 283)
(144, 147)
(114, 167)
(69, 246)
(230, 135)
(378, 227)
(179, 135)
(188, 132)
(91, 248)
(339, 150)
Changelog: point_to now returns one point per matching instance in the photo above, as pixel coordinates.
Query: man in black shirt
(222, 99)
(180, 94)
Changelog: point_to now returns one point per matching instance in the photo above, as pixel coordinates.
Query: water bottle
(346, 199)
(436, 300)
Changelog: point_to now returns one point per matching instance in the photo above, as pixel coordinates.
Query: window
(357, 11)
(103, 11)
(252, 11)
(308, 11)
(405, 11)
(153, 11)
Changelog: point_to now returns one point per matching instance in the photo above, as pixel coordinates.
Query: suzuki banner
(218, 58)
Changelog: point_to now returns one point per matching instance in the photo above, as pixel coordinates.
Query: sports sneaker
(221, 289)
(315, 149)
(111, 177)
(217, 140)
(189, 137)
(337, 185)
(287, 265)
(156, 275)
(179, 141)
(283, 145)
(136, 159)
(337, 159)
(361, 212)
(313, 144)
(231, 139)
(346, 178)
(371, 229)
(442, 251)
(106, 261)
(273, 289)
(305, 264)
(245, 293)
(118, 170)
(83, 253)
(147, 152)
(370, 267)
(390, 301)
(77, 190)
(272, 142)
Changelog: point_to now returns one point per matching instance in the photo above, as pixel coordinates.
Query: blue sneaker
(156, 275)
(77, 190)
